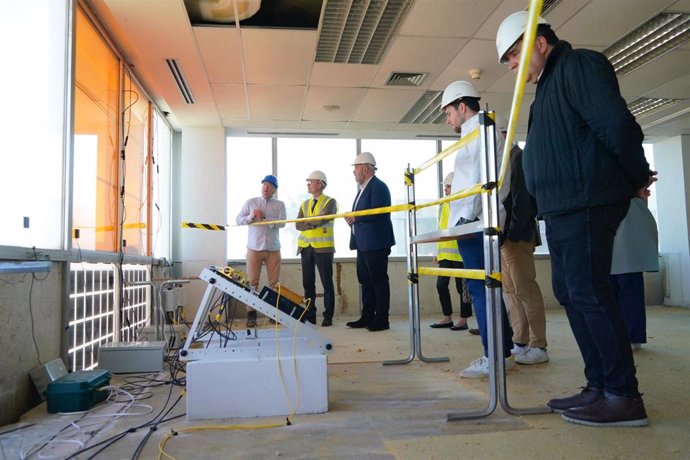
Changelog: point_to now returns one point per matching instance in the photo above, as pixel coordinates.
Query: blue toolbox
(78, 391)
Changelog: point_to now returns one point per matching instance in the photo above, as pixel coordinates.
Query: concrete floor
(400, 411)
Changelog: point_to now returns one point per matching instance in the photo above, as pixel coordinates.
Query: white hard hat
(457, 90)
(449, 179)
(365, 158)
(510, 30)
(317, 175)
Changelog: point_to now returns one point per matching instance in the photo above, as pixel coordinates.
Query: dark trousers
(628, 289)
(581, 246)
(442, 283)
(472, 252)
(372, 274)
(323, 261)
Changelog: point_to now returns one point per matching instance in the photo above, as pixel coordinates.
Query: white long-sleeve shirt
(263, 237)
(467, 168)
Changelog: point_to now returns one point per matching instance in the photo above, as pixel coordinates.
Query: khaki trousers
(522, 294)
(255, 259)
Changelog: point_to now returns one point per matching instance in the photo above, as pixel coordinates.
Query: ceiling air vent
(426, 110)
(359, 31)
(182, 85)
(646, 106)
(405, 79)
(656, 37)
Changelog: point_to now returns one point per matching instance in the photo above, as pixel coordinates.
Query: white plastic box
(129, 357)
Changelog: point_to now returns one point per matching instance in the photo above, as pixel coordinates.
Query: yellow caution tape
(448, 150)
(364, 212)
(473, 274)
(453, 272)
(110, 228)
(203, 226)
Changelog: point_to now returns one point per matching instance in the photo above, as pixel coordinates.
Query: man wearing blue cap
(263, 244)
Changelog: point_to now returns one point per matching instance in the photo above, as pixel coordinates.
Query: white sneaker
(636, 347)
(518, 350)
(480, 368)
(532, 356)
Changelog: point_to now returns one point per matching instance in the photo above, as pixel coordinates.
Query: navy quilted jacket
(584, 147)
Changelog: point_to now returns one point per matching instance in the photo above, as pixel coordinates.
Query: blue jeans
(629, 291)
(581, 246)
(472, 252)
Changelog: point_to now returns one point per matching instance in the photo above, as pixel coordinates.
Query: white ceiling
(265, 80)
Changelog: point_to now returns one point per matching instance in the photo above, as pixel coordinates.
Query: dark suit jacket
(520, 206)
(371, 233)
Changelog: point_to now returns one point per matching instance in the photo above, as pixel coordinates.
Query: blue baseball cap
(271, 179)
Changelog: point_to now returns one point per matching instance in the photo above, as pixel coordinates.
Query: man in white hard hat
(263, 243)
(448, 256)
(519, 237)
(460, 103)
(372, 237)
(583, 162)
(316, 247)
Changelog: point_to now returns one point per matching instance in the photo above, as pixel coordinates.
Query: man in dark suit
(372, 237)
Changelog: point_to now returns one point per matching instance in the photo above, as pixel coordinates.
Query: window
(136, 149)
(392, 158)
(249, 160)
(96, 140)
(296, 159)
(32, 123)
(161, 210)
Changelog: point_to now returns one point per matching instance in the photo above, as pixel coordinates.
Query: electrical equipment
(49, 372)
(285, 302)
(78, 391)
(129, 357)
(270, 370)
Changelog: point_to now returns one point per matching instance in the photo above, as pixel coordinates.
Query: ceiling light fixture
(331, 107)
(646, 106)
(656, 37)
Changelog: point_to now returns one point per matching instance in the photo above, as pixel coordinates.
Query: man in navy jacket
(372, 237)
(583, 162)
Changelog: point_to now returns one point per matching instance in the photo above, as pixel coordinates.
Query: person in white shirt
(460, 103)
(263, 244)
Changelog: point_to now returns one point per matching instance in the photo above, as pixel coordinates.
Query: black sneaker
(586, 397)
(611, 410)
(327, 322)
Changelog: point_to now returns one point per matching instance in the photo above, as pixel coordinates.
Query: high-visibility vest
(447, 250)
(320, 237)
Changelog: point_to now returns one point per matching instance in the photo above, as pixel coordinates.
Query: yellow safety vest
(320, 237)
(447, 250)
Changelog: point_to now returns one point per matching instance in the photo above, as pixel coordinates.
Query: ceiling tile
(282, 57)
(386, 105)
(670, 66)
(675, 89)
(476, 54)
(221, 52)
(276, 102)
(418, 54)
(318, 96)
(231, 101)
(447, 18)
(352, 75)
(603, 22)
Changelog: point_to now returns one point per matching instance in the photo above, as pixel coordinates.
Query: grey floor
(378, 411)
